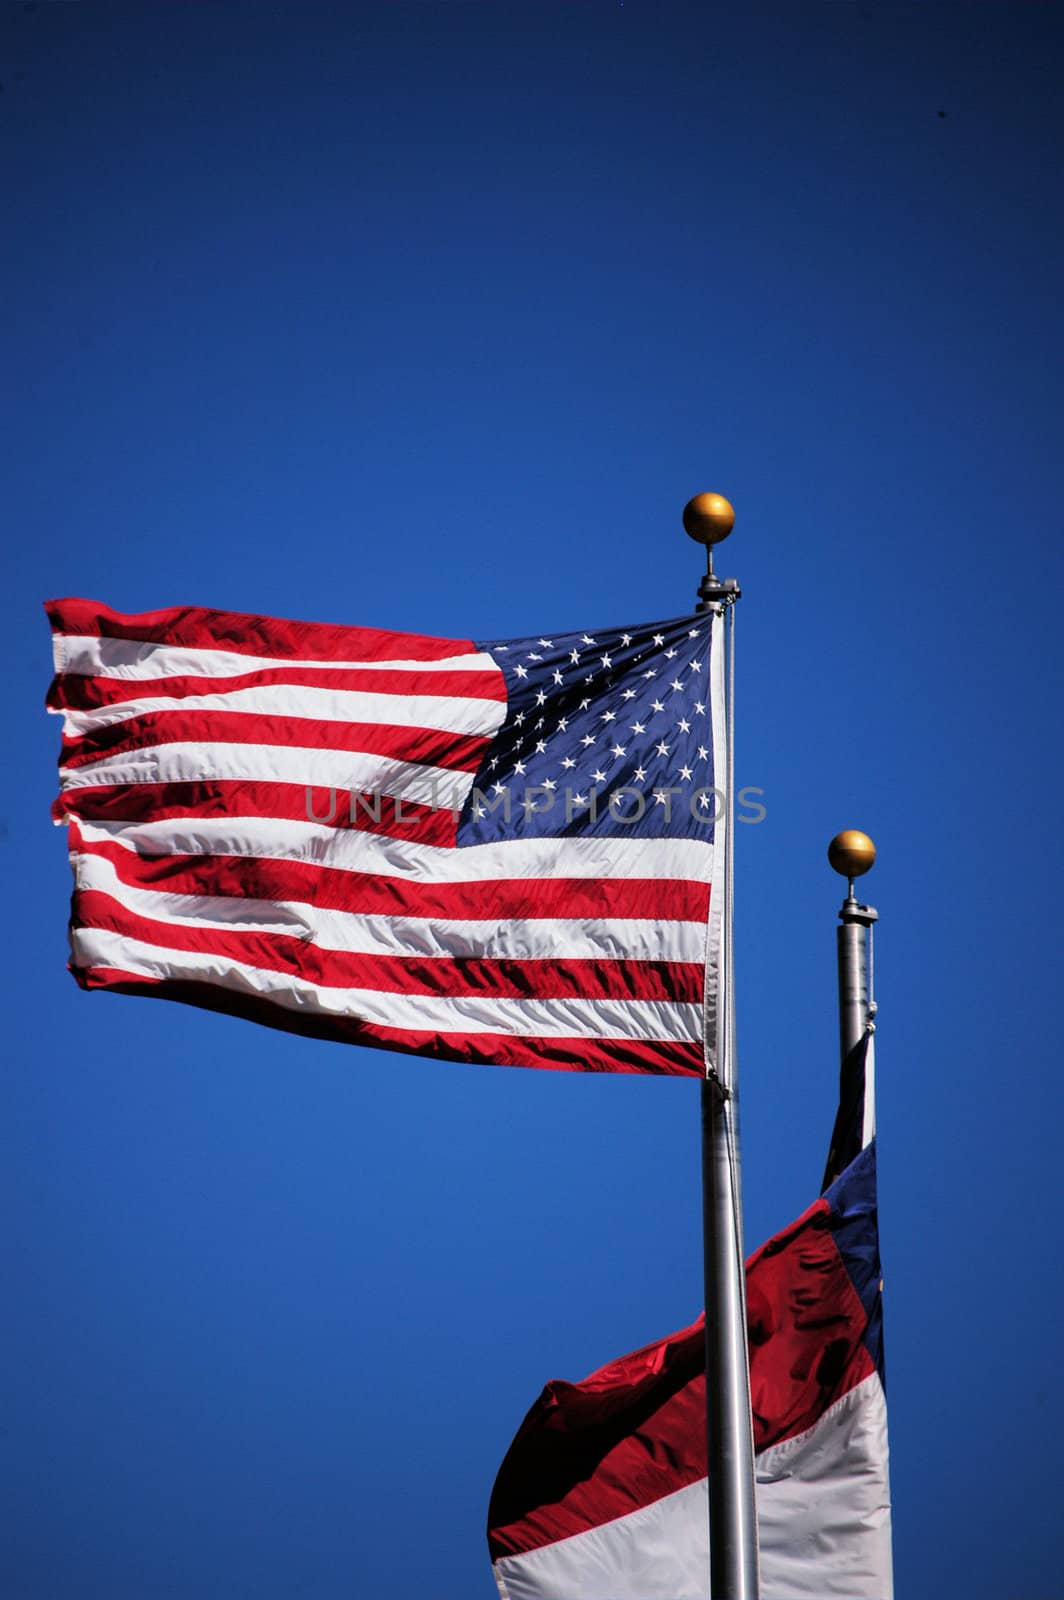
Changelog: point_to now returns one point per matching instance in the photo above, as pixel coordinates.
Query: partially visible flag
(499, 852)
(602, 1495)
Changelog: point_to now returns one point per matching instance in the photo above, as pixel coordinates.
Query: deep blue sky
(432, 316)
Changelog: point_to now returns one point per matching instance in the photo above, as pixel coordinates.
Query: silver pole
(733, 1553)
(852, 854)
(852, 938)
(733, 1561)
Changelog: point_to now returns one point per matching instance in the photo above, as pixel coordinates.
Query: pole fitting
(718, 591)
(852, 910)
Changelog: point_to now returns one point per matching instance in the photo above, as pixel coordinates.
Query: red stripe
(197, 628)
(635, 1430)
(372, 894)
(670, 1058)
(430, 747)
(230, 797)
(290, 956)
(77, 691)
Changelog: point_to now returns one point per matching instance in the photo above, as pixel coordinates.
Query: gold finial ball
(851, 853)
(709, 518)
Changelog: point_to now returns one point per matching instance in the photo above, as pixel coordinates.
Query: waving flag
(602, 1495)
(499, 852)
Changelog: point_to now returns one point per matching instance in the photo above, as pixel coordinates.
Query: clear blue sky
(432, 316)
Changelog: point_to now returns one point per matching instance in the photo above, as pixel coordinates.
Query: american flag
(499, 851)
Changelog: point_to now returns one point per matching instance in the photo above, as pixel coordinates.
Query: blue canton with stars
(607, 734)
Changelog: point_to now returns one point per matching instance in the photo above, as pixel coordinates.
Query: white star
(676, 684)
(626, 638)
(585, 702)
(590, 678)
(657, 706)
(650, 674)
(574, 655)
(629, 694)
(549, 783)
(548, 644)
(563, 723)
(606, 661)
(640, 774)
(598, 777)
(589, 738)
(478, 810)
(685, 773)
(522, 672)
(703, 801)
(519, 767)
(618, 750)
(703, 753)
(532, 656)
(669, 654)
(586, 639)
(541, 745)
(494, 762)
(637, 727)
(683, 725)
(695, 666)
(567, 761)
(660, 796)
(557, 677)
(662, 748)
(659, 638)
(692, 633)
(520, 717)
(700, 708)
(579, 800)
(500, 788)
(609, 716)
(541, 698)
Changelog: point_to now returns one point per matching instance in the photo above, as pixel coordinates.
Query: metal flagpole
(733, 1558)
(852, 853)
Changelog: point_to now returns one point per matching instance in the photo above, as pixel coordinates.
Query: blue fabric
(589, 715)
(855, 1225)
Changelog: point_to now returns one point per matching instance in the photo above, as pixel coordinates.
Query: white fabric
(281, 839)
(823, 1506)
(358, 933)
(464, 1014)
(89, 656)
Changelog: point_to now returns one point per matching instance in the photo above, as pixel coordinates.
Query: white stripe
(648, 1020)
(531, 939)
(868, 1129)
(453, 714)
(823, 1507)
(349, 850)
(89, 655)
(660, 1552)
(304, 766)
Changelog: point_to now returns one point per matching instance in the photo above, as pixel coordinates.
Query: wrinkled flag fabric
(603, 1494)
(482, 851)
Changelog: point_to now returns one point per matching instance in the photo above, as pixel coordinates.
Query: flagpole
(733, 1554)
(852, 854)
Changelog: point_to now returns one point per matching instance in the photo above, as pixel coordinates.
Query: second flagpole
(733, 1552)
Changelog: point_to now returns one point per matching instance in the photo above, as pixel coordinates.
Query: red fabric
(636, 1430)
(676, 1058)
(286, 953)
(372, 893)
(199, 628)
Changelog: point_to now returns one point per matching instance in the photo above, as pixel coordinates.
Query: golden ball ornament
(851, 853)
(708, 518)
